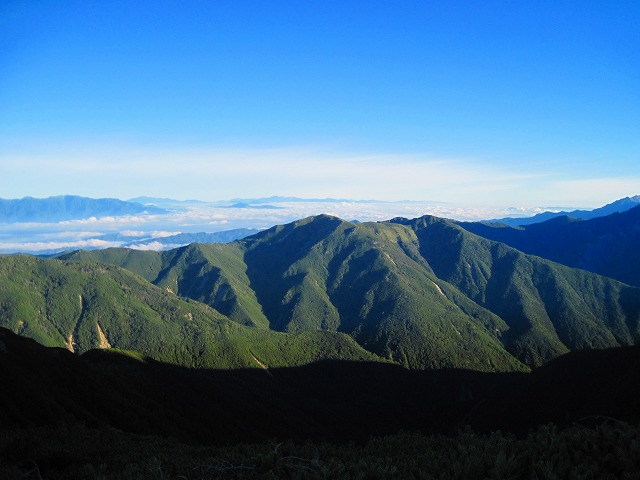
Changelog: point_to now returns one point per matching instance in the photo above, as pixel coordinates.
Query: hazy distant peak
(68, 207)
(620, 205)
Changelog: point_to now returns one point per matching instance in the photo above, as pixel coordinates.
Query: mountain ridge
(425, 292)
(605, 245)
(617, 206)
(68, 207)
(80, 306)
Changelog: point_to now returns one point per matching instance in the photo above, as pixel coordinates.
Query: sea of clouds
(145, 231)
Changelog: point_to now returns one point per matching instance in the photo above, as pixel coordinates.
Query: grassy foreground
(610, 449)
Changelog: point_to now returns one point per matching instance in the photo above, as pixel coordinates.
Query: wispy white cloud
(156, 246)
(110, 220)
(56, 235)
(215, 173)
(599, 191)
(133, 233)
(161, 234)
(35, 247)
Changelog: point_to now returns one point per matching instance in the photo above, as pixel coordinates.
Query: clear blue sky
(491, 102)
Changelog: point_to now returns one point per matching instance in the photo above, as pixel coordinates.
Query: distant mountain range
(281, 199)
(607, 245)
(72, 207)
(258, 206)
(621, 205)
(68, 207)
(164, 202)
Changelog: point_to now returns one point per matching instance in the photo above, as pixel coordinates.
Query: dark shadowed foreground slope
(588, 387)
(109, 414)
(331, 400)
(326, 400)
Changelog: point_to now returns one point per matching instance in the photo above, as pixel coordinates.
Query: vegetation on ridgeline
(84, 306)
(424, 293)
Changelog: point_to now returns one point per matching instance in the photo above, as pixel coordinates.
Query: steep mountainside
(607, 245)
(550, 308)
(424, 292)
(322, 273)
(84, 306)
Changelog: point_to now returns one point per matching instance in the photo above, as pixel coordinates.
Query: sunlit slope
(550, 308)
(325, 274)
(423, 292)
(367, 280)
(81, 306)
(214, 274)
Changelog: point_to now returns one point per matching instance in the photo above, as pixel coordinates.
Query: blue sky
(505, 103)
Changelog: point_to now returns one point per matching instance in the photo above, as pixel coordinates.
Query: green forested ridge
(322, 273)
(550, 308)
(81, 306)
(423, 292)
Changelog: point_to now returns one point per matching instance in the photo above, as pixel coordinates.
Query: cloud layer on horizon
(212, 173)
(142, 231)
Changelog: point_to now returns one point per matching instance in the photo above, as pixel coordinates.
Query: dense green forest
(424, 293)
(85, 306)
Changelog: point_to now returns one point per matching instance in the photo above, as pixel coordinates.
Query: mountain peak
(419, 222)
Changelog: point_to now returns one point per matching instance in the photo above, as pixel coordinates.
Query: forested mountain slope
(84, 306)
(423, 292)
(550, 308)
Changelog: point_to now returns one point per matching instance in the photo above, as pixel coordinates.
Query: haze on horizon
(503, 104)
